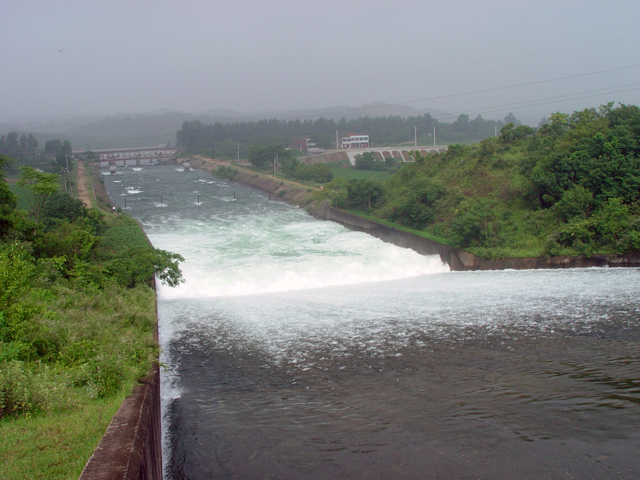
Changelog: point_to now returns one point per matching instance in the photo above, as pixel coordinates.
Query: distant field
(23, 204)
(349, 173)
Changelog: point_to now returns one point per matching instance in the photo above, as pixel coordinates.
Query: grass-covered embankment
(77, 322)
(570, 187)
(57, 406)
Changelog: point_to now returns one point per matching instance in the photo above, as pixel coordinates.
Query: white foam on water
(382, 318)
(261, 256)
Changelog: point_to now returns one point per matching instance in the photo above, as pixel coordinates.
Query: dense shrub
(24, 392)
(227, 173)
(570, 187)
(316, 172)
(76, 307)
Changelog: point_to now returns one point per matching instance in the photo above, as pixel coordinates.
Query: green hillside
(570, 187)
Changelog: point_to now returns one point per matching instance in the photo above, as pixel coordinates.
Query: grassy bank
(55, 446)
(62, 408)
(77, 322)
(65, 372)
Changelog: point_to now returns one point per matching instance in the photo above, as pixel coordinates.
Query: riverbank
(458, 260)
(287, 190)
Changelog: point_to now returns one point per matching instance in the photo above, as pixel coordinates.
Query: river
(300, 349)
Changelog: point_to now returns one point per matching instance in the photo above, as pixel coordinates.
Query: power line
(560, 101)
(500, 108)
(359, 80)
(533, 103)
(473, 92)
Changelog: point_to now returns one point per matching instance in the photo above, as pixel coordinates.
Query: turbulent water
(300, 349)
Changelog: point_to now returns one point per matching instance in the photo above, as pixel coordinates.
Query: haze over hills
(95, 131)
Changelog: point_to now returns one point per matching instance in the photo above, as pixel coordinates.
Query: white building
(355, 141)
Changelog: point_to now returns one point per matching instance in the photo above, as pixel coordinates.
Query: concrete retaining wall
(131, 449)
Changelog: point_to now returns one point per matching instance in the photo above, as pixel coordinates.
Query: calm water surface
(299, 349)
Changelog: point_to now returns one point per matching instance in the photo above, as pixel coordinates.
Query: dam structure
(400, 154)
(298, 348)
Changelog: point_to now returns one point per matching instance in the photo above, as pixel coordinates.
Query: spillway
(300, 349)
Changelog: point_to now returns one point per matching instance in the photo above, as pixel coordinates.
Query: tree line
(25, 149)
(221, 140)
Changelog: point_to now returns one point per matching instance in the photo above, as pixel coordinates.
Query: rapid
(297, 348)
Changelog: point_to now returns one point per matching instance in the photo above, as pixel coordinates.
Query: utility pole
(434, 136)
(415, 136)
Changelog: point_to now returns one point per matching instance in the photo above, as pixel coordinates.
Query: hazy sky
(115, 56)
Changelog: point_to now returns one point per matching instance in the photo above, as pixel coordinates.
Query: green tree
(262, 157)
(62, 206)
(366, 161)
(139, 265)
(462, 123)
(316, 172)
(53, 146)
(364, 193)
(62, 158)
(511, 118)
(419, 206)
(575, 202)
(8, 200)
(472, 224)
(32, 144)
(41, 185)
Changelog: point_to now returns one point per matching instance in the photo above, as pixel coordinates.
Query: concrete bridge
(401, 154)
(134, 156)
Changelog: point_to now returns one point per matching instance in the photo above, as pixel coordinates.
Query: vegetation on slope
(77, 314)
(570, 187)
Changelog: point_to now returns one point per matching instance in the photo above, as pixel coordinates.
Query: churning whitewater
(236, 242)
(285, 251)
(299, 349)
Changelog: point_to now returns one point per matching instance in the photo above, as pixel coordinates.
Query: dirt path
(83, 188)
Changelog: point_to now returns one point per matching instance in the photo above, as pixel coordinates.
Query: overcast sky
(489, 57)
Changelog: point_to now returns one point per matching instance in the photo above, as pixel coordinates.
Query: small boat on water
(112, 170)
(187, 166)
